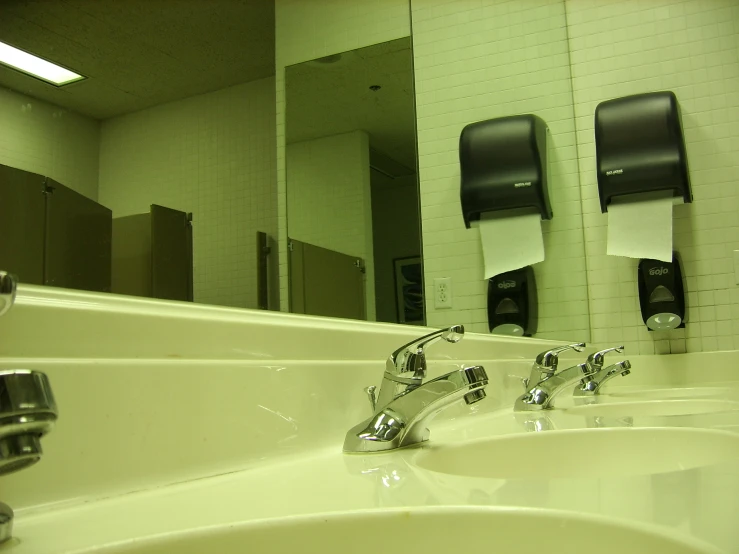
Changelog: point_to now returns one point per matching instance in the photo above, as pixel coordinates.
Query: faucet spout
(403, 421)
(540, 395)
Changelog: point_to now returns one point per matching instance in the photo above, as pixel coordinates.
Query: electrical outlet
(443, 292)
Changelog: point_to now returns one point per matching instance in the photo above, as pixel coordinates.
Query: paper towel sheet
(641, 229)
(510, 243)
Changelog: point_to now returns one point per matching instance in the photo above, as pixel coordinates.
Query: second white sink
(418, 531)
(655, 408)
(609, 452)
(670, 392)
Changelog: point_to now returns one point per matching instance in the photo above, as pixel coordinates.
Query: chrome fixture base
(547, 363)
(6, 522)
(541, 395)
(406, 367)
(8, 288)
(403, 421)
(544, 382)
(596, 381)
(405, 403)
(592, 384)
(27, 412)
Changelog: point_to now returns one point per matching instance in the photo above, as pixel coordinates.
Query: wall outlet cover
(443, 292)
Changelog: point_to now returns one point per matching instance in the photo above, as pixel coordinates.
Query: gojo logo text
(506, 284)
(659, 271)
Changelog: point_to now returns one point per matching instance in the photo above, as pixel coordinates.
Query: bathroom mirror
(497, 60)
(156, 174)
(511, 62)
(352, 187)
(164, 159)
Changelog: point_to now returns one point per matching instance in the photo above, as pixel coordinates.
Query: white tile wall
(49, 140)
(328, 200)
(213, 155)
(478, 60)
(310, 29)
(690, 47)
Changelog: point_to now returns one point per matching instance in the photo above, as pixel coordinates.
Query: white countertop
(700, 503)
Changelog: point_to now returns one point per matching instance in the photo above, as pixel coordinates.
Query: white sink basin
(655, 408)
(419, 531)
(675, 392)
(561, 454)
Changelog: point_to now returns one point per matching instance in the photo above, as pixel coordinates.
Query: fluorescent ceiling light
(36, 67)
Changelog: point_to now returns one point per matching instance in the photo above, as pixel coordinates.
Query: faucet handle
(412, 356)
(548, 360)
(8, 287)
(597, 359)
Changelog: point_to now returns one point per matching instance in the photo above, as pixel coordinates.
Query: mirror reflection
(499, 61)
(155, 175)
(352, 188)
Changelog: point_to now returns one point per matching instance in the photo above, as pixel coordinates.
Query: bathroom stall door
(22, 209)
(325, 282)
(131, 260)
(171, 254)
(78, 240)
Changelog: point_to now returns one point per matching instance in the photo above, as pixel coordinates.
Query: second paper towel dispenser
(640, 147)
(503, 165)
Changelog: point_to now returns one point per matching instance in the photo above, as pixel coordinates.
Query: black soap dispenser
(512, 303)
(661, 294)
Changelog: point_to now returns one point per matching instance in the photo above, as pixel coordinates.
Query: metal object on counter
(27, 413)
(405, 403)
(547, 363)
(545, 382)
(403, 421)
(596, 380)
(406, 367)
(8, 287)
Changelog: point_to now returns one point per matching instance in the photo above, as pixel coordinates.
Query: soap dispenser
(512, 303)
(661, 294)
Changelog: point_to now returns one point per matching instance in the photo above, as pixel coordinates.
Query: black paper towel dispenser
(503, 165)
(640, 147)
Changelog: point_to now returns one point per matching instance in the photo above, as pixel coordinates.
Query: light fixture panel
(36, 67)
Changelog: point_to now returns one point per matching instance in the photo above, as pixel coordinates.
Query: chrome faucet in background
(591, 384)
(27, 412)
(406, 367)
(545, 382)
(405, 403)
(547, 362)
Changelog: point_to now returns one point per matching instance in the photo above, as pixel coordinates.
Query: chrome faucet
(591, 384)
(406, 367)
(406, 404)
(547, 362)
(544, 382)
(27, 412)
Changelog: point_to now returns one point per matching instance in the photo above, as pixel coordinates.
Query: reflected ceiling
(139, 53)
(332, 96)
